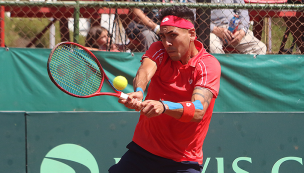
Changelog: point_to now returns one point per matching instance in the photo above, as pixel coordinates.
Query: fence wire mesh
(274, 26)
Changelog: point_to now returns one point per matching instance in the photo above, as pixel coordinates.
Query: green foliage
(278, 28)
(20, 31)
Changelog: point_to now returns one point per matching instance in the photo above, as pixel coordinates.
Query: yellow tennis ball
(120, 82)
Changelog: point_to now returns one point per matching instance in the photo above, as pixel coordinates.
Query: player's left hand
(237, 37)
(151, 108)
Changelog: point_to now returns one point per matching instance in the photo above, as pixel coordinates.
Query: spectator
(142, 29)
(175, 115)
(242, 39)
(98, 39)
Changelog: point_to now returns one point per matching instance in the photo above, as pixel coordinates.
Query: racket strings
(75, 70)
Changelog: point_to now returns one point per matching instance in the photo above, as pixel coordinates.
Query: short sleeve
(155, 52)
(208, 73)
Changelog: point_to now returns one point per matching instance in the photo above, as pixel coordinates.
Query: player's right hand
(134, 101)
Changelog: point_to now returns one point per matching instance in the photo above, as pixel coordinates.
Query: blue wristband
(173, 105)
(197, 104)
(139, 89)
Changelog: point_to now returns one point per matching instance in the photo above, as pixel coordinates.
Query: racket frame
(117, 93)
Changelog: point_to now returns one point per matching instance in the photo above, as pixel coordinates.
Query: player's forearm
(141, 80)
(198, 116)
(144, 74)
(194, 111)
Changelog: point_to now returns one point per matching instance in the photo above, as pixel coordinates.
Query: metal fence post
(203, 22)
(2, 44)
(76, 22)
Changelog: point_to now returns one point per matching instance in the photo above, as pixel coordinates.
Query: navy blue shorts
(138, 160)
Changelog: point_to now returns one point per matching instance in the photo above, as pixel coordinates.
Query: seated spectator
(141, 25)
(242, 39)
(98, 39)
(142, 29)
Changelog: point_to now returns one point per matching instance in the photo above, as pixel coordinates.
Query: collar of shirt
(199, 46)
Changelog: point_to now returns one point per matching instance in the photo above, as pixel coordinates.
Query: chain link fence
(275, 27)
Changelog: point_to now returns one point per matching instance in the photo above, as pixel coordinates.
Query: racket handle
(123, 95)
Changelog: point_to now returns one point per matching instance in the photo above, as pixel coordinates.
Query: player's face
(176, 41)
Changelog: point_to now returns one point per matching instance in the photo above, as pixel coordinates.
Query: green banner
(12, 145)
(255, 143)
(25, 84)
(248, 83)
(91, 142)
(264, 83)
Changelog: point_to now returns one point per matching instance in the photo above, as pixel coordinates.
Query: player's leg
(138, 160)
(156, 164)
(171, 166)
(135, 160)
(130, 162)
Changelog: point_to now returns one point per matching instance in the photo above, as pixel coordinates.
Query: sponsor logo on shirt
(190, 81)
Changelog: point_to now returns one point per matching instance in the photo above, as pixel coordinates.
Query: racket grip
(123, 95)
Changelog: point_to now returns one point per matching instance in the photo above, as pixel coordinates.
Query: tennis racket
(76, 71)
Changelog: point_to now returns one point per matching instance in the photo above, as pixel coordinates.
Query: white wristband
(156, 29)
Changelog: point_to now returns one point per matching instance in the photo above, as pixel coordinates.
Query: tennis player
(177, 110)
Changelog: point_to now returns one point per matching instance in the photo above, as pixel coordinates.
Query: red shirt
(164, 135)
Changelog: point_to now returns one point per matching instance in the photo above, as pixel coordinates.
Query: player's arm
(144, 74)
(204, 96)
(188, 111)
(140, 82)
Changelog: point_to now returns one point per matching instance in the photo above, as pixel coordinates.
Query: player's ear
(192, 34)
